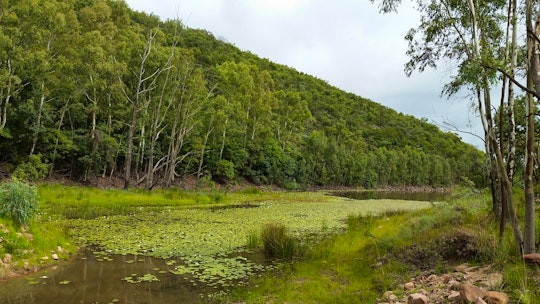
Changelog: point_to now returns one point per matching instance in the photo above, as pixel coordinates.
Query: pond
(426, 196)
(181, 255)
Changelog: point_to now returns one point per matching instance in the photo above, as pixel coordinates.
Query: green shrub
(225, 169)
(277, 242)
(32, 170)
(18, 201)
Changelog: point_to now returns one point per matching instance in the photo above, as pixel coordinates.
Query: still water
(97, 279)
(425, 196)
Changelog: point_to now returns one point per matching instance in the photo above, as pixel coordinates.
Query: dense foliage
(18, 201)
(96, 89)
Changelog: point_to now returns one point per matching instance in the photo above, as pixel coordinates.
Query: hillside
(92, 88)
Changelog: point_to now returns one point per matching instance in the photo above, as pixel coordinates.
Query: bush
(32, 170)
(18, 201)
(277, 242)
(225, 169)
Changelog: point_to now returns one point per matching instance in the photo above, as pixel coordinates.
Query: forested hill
(91, 88)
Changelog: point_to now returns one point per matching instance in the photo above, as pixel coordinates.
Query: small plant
(277, 242)
(18, 201)
(253, 240)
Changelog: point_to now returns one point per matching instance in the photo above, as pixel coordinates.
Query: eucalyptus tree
(143, 81)
(44, 31)
(96, 79)
(291, 117)
(10, 56)
(468, 34)
(192, 96)
(236, 84)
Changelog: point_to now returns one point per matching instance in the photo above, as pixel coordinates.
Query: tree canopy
(92, 88)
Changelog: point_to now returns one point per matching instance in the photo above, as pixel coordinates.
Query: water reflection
(428, 196)
(92, 279)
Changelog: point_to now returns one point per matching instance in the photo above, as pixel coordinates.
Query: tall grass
(278, 243)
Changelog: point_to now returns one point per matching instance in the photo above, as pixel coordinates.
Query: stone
(454, 296)
(492, 281)
(446, 278)
(4, 229)
(480, 301)
(472, 269)
(28, 236)
(417, 298)
(532, 258)
(408, 286)
(54, 256)
(7, 258)
(461, 268)
(59, 249)
(453, 285)
(495, 297)
(470, 293)
(390, 296)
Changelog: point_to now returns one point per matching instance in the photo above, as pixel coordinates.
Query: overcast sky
(345, 42)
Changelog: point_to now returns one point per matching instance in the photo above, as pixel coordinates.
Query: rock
(54, 256)
(461, 268)
(390, 296)
(447, 278)
(454, 296)
(59, 249)
(492, 281)
(495, 297)
(470, 293)
(417, 298)
(472, 269)
(7, 258)
(480, 301)
(28, 236)
(4, 229)
(408, 286)
(532, 258)
(453, 285)
(432, 277)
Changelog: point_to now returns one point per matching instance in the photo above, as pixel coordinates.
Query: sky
(347, 43)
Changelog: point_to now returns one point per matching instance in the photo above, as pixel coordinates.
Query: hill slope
(93, 88)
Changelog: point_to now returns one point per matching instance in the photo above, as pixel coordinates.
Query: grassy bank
(378, 253)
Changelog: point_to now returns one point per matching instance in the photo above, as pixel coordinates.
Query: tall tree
(467, 32)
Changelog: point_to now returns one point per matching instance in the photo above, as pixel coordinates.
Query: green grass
(379, 252)
(89, 203)
(31, 246)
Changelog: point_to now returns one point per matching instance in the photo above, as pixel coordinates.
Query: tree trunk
(38, 120)
(533, 82)
(140, 90)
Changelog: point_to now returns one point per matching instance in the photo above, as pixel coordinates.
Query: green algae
(197, 242)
